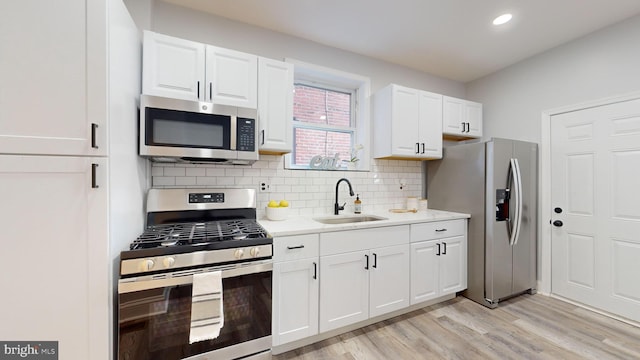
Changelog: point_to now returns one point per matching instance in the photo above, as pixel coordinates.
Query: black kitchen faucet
(336, 206)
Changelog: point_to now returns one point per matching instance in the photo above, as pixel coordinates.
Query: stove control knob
(255, 251)
(147, 265)
(239, 253)
(168, 262)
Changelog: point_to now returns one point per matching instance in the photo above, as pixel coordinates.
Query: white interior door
(595, 169)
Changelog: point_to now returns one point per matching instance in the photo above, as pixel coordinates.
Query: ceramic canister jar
(412, 203)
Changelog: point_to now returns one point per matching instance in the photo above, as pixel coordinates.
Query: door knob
(557, 223)
(558, 210)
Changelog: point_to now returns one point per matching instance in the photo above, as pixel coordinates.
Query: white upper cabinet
(430, 125)
(173, 67)
(461, 118)
(232, 77)
(52, 79)
(275, 105)
(183, 69)
(407, 123)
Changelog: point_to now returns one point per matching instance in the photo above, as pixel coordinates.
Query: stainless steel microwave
(173, 130)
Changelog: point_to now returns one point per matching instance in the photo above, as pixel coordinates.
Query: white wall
(128, 173)
(599, 65)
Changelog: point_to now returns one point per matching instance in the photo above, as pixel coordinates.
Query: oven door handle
(186, 277)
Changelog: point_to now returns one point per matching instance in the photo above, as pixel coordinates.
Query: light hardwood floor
(525, 327)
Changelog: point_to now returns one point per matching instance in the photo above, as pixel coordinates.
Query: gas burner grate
(198, 233)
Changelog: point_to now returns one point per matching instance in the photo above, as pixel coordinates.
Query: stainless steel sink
(339, 219)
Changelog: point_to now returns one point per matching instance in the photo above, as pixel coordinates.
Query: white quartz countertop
(297, 225)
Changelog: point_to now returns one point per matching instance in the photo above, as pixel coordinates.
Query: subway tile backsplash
(309, 192)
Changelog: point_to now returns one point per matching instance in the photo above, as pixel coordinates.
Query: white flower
(354, 153)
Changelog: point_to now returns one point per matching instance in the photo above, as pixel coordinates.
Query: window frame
(359, 88)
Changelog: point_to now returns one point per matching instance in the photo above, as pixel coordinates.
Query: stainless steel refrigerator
(496, 182)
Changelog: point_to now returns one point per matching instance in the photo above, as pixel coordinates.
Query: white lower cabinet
(295, 288)
(345, 290)
(364, 283)
(438, 259)
(55, 235)
(330, 280)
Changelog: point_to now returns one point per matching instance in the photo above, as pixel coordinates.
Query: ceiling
(450, 38)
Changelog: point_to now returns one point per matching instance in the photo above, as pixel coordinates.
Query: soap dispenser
(357, 205)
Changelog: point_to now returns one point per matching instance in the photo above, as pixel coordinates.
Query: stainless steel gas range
(197, 283)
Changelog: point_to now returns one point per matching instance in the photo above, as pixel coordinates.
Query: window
(330, 120)
(322, 123)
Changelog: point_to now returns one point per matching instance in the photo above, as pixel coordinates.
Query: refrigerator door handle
(518, 199)
(516, 195)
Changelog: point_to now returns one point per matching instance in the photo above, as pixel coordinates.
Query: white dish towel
(207, 316)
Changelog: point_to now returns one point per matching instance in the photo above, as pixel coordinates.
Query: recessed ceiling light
(502, 19)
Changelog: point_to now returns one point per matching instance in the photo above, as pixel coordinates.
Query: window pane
(321, 106)
(309, 143)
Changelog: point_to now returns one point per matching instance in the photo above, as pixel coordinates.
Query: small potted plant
(352, 163)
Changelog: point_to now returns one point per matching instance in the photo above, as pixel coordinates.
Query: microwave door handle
(187, 278)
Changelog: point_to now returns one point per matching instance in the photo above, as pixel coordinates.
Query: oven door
(155, 315)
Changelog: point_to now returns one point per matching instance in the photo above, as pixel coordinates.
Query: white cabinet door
(430, 125)
(52, 77)
(407, 123)
(453, 264)
(295, 300)
(405, 138)
(473, 115)
(461, 118)
(345, 290)
(388, 279)
(424, 271)
(453, 122)
(275, 105)
(232, 77)
(173, 67)
(55, 253)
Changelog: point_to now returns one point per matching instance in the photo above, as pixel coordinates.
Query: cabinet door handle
(198, 90)
(94, 181)
(468, 127)
(417, 148)
(315, 270)
(211, 91)
(366, 267)
(423, 148)
(94, 127)
(295, 247)
(375, 260)
(438, 253)
(444, 248)
(262, 133)
(441, 230)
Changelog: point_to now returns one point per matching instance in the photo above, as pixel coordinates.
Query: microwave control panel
(246, 135)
